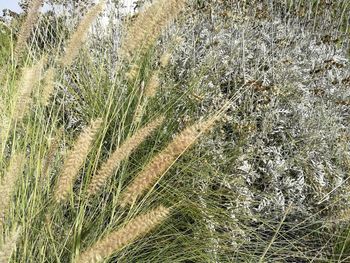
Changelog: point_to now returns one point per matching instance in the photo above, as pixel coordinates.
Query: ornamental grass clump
(34, 119)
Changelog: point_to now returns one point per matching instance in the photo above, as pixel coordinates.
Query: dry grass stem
(163, 161)
(79, 36)
(120, 154)
(75, 160)
(115, 241)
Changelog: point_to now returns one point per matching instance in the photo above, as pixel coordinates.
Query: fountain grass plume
(8, 182)
(148, 26)
(27, 27)
(9, 245)
(120, 154)
(79, 36)
(75, 160)
(163, 161)
(30, 78)
(133, 230)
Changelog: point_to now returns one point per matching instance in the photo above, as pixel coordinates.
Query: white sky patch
(9, 4)
(129, 6)
(13, 5)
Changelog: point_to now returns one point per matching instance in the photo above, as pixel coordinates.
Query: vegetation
(188, 131)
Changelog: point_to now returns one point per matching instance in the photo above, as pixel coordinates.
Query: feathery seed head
(5, 126)
(139, 112)
(48, 86)
(133, 72)
(152, 86)
(75, 160)
(30, 78)
(165, 59)
(163, 161)
(50, 155)
(79, 36)
(8, 183)
(120, 154)
(148, 26)
(27, 26)
(115, 241)
(9, 245)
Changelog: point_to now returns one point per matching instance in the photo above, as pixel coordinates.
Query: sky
(9, 4)
(13, 5)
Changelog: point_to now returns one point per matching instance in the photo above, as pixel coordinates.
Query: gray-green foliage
(285, 138)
